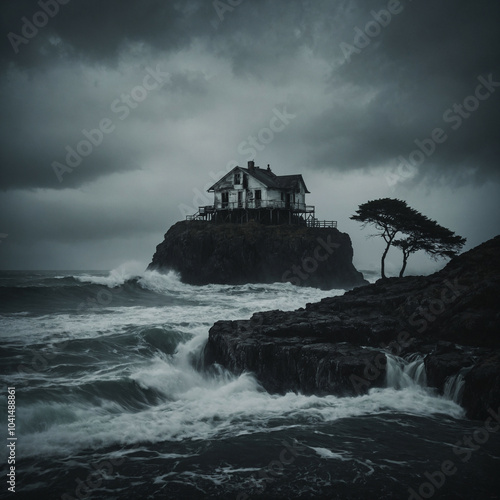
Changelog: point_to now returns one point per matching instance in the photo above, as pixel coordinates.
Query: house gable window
(237, 178)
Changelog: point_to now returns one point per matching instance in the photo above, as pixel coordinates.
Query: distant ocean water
(109, 404)
(370, 275)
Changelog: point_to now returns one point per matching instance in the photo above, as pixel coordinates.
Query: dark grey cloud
(228, 70)
(427, 57)
(426, 60)
(99, 31)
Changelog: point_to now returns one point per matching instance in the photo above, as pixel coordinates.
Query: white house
(254, 187)
(255, 193)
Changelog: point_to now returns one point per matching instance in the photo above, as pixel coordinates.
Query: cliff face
(254, 253)
(340, 345)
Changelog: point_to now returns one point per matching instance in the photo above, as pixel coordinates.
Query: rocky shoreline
(450, 321)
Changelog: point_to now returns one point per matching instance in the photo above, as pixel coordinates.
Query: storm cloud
(115, 113)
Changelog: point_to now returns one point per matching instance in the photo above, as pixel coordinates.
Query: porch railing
(256, 204)
(321, 223)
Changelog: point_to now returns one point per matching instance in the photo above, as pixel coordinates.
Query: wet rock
(446, 361)
(482, 387)
(451, 317)
(294, 359)
(204, 252)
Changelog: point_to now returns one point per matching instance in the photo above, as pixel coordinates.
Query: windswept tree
(389, 216)
(392, 217)
(427, 235)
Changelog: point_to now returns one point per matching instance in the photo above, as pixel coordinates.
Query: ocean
(99, 377)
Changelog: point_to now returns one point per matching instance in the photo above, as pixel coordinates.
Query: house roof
(269, 179)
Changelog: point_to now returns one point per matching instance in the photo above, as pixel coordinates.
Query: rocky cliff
(450, 321)
(205, 253)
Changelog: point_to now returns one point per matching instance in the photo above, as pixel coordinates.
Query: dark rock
(205, 253)
(482, 387)
(444, 363)
(451, 317)
(299, 361)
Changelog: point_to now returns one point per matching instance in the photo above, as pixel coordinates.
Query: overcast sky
(116, 115)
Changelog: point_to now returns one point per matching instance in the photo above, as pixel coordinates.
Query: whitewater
(111, 402)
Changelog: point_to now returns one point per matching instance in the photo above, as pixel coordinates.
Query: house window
(258, 197)
(225, 199)
(237, 178)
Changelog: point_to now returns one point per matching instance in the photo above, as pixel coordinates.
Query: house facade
(254, 188)
(258, 194)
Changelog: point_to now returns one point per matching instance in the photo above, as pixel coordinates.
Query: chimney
(251, 165)
(268, 168)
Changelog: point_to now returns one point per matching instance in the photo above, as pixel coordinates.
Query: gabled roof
(269, 179)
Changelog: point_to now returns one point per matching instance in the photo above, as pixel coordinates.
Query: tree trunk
(405, 261)
(382, 270)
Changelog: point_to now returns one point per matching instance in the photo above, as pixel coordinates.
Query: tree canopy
(392, 217)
